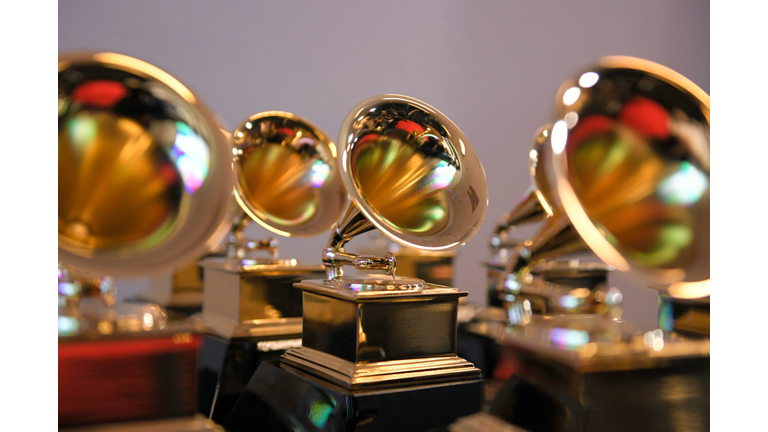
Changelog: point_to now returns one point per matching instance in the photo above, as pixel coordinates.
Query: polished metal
(629, 172)
(253, 300)
(630, 168)
(536, 203)
(285, 180)
(628, 165)
(411, 173)
(144, 170)
(361, 337)
(145, 183)
(592, 373)
(286, 176)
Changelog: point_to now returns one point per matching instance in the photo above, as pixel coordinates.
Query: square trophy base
(591, 373)
(283, 398)
(380, 360)
(253, 314)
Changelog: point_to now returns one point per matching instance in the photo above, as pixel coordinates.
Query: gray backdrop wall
(492, 66)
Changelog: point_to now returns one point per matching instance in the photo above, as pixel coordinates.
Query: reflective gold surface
(369, 338)
(286, 176)
(537, 201)
(412, 173)
(138, 155)
(631, 163)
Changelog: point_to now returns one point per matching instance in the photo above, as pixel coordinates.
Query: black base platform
(226, 366)
(282, 398)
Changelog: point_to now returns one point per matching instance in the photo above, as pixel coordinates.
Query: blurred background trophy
(379, 350)
(144, 179)
(287, 181)
(562, 279)
(628, 166)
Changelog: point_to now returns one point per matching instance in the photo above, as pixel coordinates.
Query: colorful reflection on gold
(117, 186)
(635, 147)
(286, 176)
(139, 155)
(404, 186)
(412, 173)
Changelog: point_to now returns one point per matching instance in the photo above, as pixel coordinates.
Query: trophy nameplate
(380, 350)
(144, 181)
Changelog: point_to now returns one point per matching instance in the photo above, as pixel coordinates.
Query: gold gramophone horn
(144, 171)
(411, 173)
(630, 170)
(535, 204)
(285, 174)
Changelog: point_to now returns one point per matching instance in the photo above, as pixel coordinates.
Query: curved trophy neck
(529, 209)
(334, 256)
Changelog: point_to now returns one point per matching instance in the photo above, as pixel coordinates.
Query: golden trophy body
(629, 171)
(144, 177)
(379, 350)
(285, 180)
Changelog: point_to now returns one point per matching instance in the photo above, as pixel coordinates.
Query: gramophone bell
(412, 173)
(144, 171)
(286, 176)
(631, 170)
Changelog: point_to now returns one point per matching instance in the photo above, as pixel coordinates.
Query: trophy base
(571, 373)
(226, 365)
(283, 398)
(253, 314)
(671, 398)
(382, 373)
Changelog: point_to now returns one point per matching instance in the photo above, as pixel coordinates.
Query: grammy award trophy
(286, 180)
(629, 168)
(378, 351)
(144, 179)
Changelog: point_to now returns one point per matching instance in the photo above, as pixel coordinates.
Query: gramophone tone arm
(334, 259)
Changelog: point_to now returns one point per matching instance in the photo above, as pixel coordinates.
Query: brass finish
(629, 171)
(356, 337)
(144, 171)
(536, 203)
(246, 301)
(145, 183)
(411, 173)
(593, 343)
(286, 176)
(630, 167)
